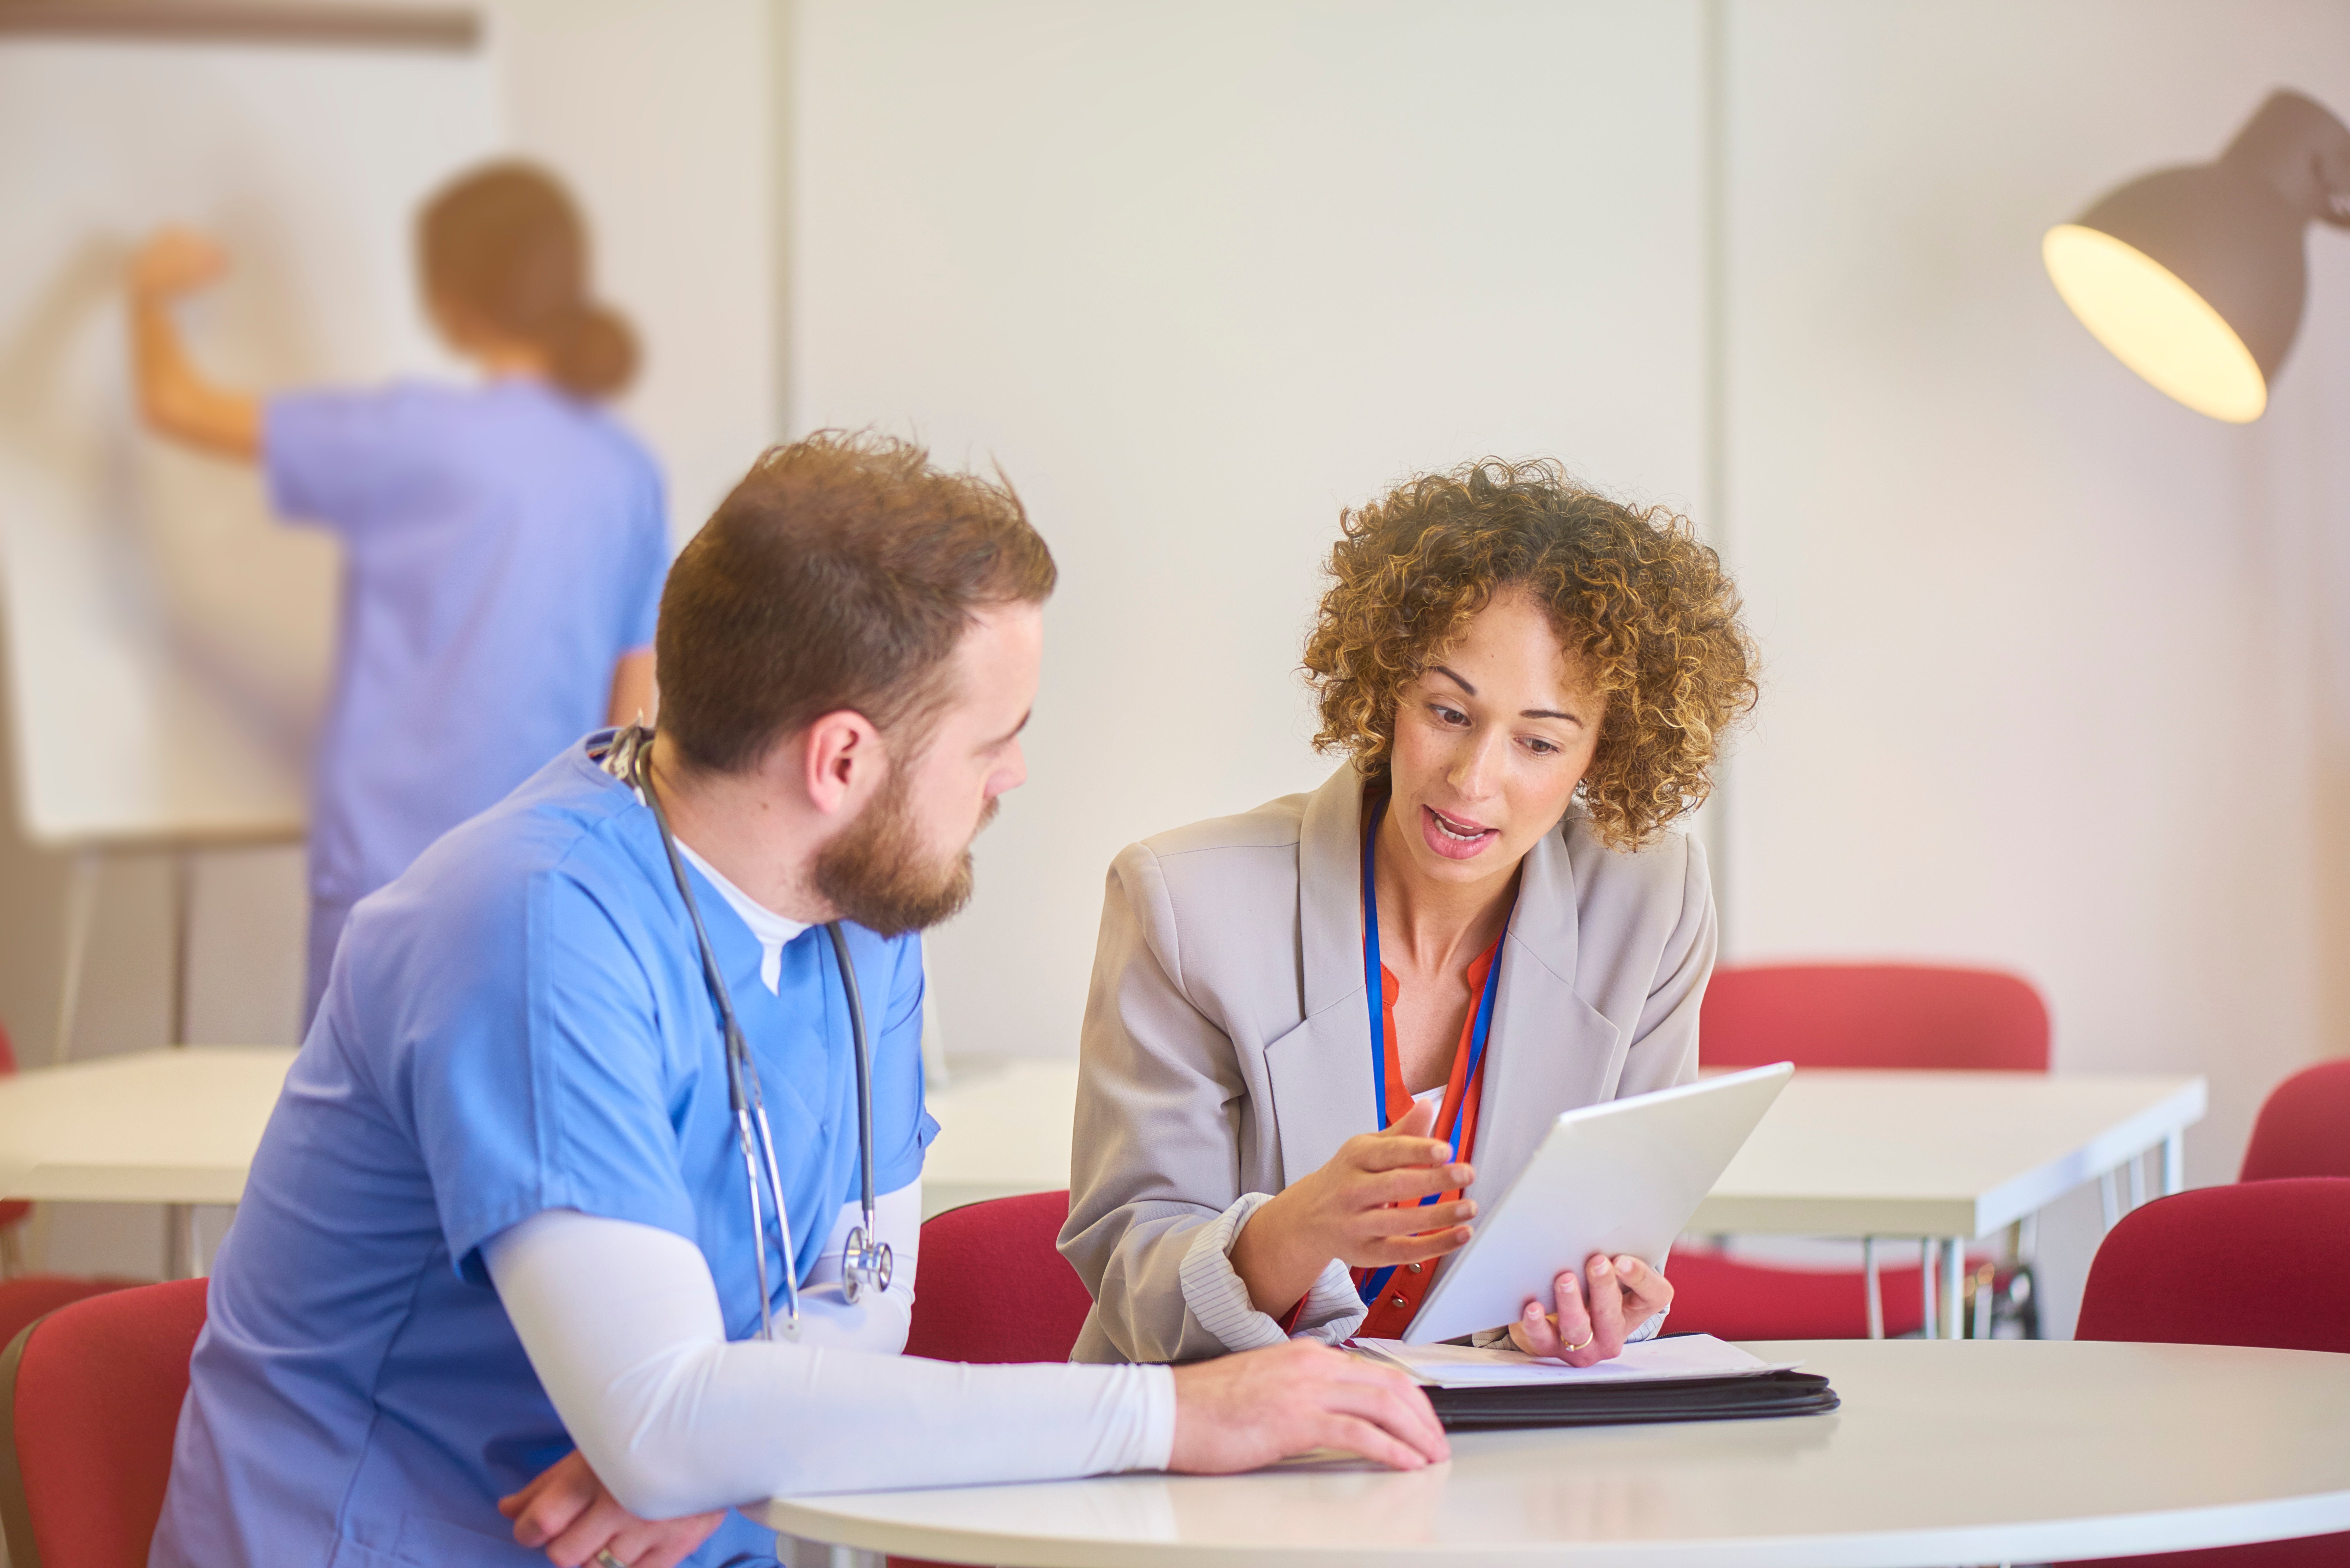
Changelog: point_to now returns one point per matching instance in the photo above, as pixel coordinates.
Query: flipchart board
(166, 641)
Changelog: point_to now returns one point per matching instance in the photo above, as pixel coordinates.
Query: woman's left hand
(565, 1512)
(1590, 1325)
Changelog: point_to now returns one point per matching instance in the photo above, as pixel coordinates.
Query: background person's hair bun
(592, 351)
(503, 249)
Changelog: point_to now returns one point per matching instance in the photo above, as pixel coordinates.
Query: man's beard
(875, 874)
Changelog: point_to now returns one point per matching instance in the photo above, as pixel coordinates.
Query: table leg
(1954, 1267)
(1926, 1298)
(2174, 1162)
(182, 1254)
(1876, 1287)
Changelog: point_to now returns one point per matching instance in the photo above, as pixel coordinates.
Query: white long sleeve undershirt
(622, 1324)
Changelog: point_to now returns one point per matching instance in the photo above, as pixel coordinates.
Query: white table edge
(2224, 1524)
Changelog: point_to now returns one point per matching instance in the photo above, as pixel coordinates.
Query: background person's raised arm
(176, 398)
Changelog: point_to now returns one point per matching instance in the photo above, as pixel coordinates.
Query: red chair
(1843, 1015)
(26, 1300)
(992, 1284)
(90, 1401)
(2304, 1127)
(2151, 1282)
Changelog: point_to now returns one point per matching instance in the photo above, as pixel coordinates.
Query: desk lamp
(2194, 276)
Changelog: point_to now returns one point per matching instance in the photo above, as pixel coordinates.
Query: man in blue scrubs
(498, 1238)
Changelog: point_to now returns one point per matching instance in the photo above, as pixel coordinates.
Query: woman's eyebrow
(1454, 676)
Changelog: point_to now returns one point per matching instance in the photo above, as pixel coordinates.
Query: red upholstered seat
(1843, 1015)
(2151, 1281)
(31, 1297)
(89, 1399)
(993, 1285)
(2304, 1127)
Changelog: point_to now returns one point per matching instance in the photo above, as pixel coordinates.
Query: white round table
(1945, 1452)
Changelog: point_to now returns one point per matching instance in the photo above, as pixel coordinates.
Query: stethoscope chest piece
(864, 1265)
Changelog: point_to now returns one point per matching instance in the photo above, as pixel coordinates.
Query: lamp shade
(2194, 277)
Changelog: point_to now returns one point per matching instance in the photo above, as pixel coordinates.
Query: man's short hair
(840, 573)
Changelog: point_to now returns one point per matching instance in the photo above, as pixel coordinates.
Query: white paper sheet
(1650, 1361)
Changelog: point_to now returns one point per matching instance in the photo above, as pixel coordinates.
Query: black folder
(1615, 1404)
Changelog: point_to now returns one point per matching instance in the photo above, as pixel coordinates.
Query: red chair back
(89, 1402)
(993, 1285)
(2152, 1277)
(28, 1298)
(2152, 1281)
(2304, 1127)
(1873, 1015)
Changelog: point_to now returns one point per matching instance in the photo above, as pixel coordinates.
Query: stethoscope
(865, 1262)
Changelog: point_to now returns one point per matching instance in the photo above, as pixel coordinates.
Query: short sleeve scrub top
(504, 545)
(519, 1023)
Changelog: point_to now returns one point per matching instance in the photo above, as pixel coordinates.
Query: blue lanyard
(1375, 989)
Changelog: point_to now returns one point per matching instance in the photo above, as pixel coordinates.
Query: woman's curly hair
(1635, 594)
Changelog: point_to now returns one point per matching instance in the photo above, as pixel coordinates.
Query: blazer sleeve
(1663, 1050)
(1156, 1156)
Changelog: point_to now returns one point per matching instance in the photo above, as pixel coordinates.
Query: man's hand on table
(1239, 1412)
(566, 1513)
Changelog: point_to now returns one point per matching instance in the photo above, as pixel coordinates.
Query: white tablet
(1622, 1177)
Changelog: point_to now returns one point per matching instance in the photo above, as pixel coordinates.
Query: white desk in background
(176, 1127)
(1945, 1156)
(1941, 1157)
(2010, 1451)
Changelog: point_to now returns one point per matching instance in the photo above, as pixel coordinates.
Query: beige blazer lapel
(1321, 1071)
(1548, 1047)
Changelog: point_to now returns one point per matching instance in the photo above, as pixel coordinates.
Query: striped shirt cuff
(1219, 1298)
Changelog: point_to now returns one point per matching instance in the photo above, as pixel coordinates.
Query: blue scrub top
(503, 546)
(518, 1024)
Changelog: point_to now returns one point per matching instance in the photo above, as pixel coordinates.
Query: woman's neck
(1429, 925)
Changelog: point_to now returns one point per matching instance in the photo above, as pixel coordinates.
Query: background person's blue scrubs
(517, 1023)
(504, 545)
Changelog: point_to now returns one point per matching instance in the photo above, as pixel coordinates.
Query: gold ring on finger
(1586, 1341)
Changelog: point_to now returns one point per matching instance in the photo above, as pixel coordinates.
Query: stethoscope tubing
(868, 1263)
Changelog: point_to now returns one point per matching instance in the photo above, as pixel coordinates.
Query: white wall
(1197, 278)
(2056, 667)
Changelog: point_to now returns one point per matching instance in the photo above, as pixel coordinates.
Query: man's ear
(842, 762)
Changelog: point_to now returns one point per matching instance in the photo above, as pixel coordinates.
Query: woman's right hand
(1361, 1208)
(174, 261)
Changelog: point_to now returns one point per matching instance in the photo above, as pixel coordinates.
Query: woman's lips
(1454, 838)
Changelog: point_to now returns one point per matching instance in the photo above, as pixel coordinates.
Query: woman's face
(1490, 743)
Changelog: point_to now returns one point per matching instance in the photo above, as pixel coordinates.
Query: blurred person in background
(503, 542)
(1530, 683)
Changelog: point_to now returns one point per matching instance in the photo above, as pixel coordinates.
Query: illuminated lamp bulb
(2194, 277)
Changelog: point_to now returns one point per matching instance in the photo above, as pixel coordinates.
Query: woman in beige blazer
(1530, 683)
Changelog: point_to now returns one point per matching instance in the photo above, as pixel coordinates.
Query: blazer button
(1396, 1302)
(1413, 1267)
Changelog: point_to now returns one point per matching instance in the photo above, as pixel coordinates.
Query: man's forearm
(622, 1324)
